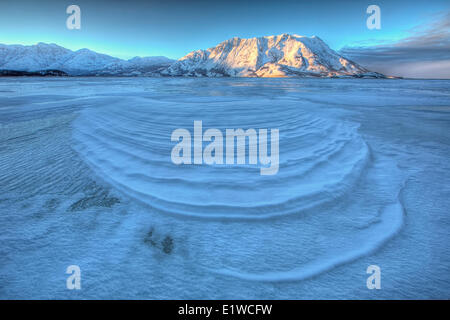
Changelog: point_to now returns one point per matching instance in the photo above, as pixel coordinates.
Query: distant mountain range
(272, 56)
(42, 56)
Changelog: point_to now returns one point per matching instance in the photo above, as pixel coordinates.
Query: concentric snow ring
(320, 159)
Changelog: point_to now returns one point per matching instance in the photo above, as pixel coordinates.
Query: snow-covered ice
(87, 179)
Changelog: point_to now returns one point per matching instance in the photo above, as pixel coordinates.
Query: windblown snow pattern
(87, 179)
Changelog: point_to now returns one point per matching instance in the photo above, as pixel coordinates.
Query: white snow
(270, 56)
(87, 179)
(81, 62)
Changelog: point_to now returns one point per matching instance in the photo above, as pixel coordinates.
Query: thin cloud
(423, 54)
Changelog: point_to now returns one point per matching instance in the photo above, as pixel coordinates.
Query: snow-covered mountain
(138, 66)
(270, 56)
(31, 58)
(44, 56)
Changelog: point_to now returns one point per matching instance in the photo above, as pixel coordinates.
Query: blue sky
(173, 28)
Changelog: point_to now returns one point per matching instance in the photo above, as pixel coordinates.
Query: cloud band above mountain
(424, 54)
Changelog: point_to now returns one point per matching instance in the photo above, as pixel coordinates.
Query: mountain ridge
(269, 56)
(284, 55)
(43, 56)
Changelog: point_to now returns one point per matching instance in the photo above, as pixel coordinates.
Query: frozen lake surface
(86, 179)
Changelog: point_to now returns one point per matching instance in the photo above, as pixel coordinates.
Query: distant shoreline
(59, 73)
